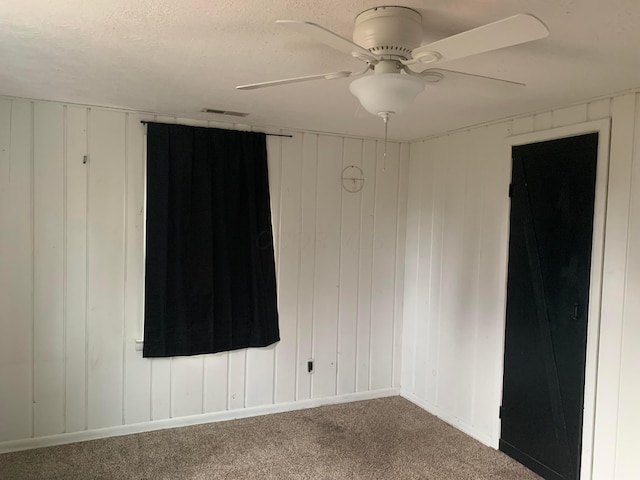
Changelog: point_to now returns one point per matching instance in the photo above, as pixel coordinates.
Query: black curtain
(210, 282)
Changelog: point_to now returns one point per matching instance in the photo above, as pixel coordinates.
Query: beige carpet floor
(388, 438)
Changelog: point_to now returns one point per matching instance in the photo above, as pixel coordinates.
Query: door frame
(603, 128)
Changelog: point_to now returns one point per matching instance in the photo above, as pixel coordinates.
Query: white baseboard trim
(64, 438)
(451, 420)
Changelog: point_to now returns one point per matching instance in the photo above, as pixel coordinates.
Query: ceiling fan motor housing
(393, 31)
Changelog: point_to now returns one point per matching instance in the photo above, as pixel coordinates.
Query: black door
(552, 206)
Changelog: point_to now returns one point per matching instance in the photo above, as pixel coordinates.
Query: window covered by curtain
(210, 277)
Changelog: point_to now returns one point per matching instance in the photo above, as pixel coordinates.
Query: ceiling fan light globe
(386, 92)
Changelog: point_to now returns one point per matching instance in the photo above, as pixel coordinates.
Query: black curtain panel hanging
(210, 281)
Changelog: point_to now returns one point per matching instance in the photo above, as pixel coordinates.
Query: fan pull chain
(386, 129)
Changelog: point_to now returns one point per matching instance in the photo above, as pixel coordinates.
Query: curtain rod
(144, 122)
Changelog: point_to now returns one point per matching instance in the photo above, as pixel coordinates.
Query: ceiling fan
(388, 40)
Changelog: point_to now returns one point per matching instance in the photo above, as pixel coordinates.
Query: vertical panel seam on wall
(245, 368)
(228, 395)
(624, 290)
(203, 381)
(465, 227)
(64, 268)
(357, 342)
(422, 316)
(477, 306)
(339, 273)
(125, 219)
(315, 257)
(33, 272)
(11, 159)
(417, 279)
(151, 363)
(279, 269)
(437, 356)
(87, 265)
(373, 257)
(299, 273)
(429, 317)
(433, 316)
(395, 271)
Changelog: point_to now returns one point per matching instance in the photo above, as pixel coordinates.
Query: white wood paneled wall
(455, 283)
(72, 270)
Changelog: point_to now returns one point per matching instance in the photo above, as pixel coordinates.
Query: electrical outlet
(310, 368)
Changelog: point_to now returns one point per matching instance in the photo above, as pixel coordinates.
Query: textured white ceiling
(177, 56)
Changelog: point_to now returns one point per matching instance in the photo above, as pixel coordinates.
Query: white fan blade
(468, 81)
(322, 35)
(285, 81)
(493, 36)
